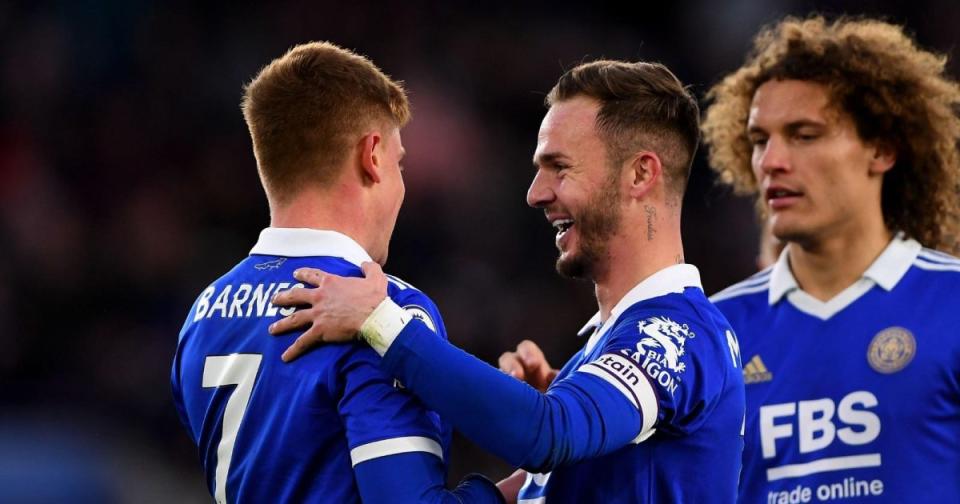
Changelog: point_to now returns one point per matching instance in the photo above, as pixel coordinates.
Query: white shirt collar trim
(781, 278)
(590, 326)
(886, 271)
(303, 242)
(670, 280)
(894, 262)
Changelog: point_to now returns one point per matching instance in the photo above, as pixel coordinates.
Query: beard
(595, 224)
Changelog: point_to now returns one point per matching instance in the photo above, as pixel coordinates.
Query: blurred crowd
(127, 184)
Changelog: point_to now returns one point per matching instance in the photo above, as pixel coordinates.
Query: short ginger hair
(642, 106)
(306, 110)
(893, 91)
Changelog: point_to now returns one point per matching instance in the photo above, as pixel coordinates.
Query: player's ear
(644, 169)
(884, 157)
(370, 156)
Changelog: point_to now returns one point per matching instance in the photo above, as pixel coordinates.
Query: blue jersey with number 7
(328, 427)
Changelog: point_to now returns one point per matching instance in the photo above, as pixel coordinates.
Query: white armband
(384, 325)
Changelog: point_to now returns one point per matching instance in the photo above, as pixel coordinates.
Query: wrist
(383, 325)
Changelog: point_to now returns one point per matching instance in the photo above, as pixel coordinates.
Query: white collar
(670, 280)
(886, 271)
(303, 242)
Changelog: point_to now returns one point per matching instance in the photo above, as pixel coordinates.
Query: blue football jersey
(274, 432)
(856, 399)
(650, 411)
(674, 354)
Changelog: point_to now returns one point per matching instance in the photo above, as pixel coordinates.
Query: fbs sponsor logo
(849, 487)
(756, 372)
(814, 425)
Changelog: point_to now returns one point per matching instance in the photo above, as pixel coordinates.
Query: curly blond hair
(894, 92)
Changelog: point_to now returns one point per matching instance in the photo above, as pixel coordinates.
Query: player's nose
(773, 157)
(541, 191)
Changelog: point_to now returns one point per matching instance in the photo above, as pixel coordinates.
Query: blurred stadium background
(127, 183)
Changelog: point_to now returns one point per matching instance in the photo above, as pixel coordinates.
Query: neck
(333, 209)
(635, 254)
(824, 268)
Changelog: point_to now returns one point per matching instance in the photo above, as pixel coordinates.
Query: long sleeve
(582, 416)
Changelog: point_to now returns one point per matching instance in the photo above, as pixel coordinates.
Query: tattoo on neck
(651, 215)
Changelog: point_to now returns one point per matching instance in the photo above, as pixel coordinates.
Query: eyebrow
(790, 126)
(548, 158)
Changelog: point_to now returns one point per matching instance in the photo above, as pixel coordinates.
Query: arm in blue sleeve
(418, 477)
(580, 417)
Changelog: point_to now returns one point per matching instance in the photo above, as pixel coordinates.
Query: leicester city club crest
(891, 350)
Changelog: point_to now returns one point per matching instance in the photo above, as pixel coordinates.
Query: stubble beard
(595, 226)
(790, 234)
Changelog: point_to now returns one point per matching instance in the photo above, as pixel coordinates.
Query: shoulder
(933, 274)
(676, 316)
(403, 292)
(415, 302)
(756, 284)
(400, 284)
(681, 344)
(934, 261)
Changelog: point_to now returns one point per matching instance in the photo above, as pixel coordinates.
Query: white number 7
(218, 371)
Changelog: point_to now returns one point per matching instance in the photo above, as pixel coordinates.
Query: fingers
(536, 370)
(527, 361)
(296, 320)
(511, 485)
(296, 296)
(302, 344)
(551, 375)
(372, 270)
(534, 362)
(510, 364)
(531, 355)
(329, 311)
(310, 276)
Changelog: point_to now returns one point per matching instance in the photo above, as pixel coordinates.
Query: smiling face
(815, 175)
(575, 186)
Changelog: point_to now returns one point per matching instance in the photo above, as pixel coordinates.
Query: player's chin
(572, 265)
(787, 231)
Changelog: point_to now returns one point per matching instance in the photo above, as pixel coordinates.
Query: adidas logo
(756, 372)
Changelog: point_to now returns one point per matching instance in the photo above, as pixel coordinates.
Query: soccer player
(332, 427)
(651, 409)
(847, 134)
